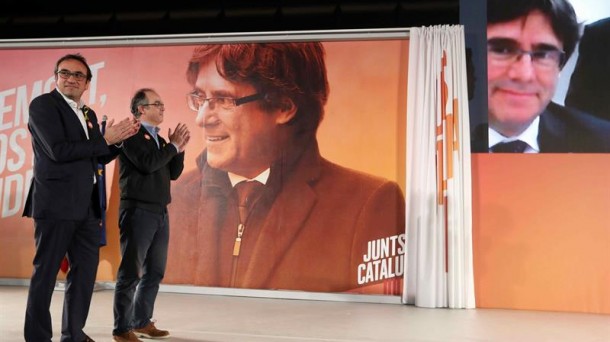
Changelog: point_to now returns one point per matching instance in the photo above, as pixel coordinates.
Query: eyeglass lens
(156, 104)
(507, 51)
(195, 101)
(65, 74)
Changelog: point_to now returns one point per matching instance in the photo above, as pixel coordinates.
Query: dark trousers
(54, 238)
(144, 239)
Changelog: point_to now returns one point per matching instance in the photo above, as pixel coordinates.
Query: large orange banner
(363, 129)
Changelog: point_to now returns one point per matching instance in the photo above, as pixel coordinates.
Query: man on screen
(528, 43)
(311, 225)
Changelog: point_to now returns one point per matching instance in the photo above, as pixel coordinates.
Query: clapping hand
(180, 136)
(116, 133)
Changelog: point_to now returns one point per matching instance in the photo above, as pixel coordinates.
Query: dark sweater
(147, 170)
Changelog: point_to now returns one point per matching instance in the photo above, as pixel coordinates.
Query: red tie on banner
(65, 265)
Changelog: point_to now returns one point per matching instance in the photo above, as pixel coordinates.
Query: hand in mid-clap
(180, 136)
(116, 133)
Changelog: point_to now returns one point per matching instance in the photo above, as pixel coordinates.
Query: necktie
(247, 194)
(516, 146)
(155, 134)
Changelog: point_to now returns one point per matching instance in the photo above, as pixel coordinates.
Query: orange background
(541, 231)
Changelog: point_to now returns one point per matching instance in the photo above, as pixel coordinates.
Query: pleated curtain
(439, 271)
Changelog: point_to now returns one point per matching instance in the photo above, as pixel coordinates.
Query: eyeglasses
(159, 105)
(65, 74)
(505, 54)
(195, 101)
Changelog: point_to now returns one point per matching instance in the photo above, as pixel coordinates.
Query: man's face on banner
(520, 85)
(240, 139)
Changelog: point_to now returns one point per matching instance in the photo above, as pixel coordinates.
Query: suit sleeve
(96, 133)
(60, 140)
(176, 166)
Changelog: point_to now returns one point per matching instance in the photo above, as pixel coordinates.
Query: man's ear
(286, 112)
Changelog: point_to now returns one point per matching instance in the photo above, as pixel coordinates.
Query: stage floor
(206, 318)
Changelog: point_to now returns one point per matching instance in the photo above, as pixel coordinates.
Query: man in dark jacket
(312, 225)
(63, 198)
(147, 166)
(528, 42)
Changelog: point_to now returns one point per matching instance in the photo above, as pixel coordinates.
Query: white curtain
(439, 198)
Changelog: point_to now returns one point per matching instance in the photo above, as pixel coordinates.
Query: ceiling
(54, 19)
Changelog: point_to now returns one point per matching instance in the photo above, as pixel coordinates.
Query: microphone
(103, 126)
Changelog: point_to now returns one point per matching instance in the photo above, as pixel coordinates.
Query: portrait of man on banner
(264, 209)
(528, 45)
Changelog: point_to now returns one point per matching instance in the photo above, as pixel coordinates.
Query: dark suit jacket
(65, 161)
(561, 130)
(589, 85)
(146, 171)
(310, 229)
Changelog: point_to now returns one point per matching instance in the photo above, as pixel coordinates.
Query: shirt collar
(154, 130)
(529, 136)
(72, 103)
(262, 177)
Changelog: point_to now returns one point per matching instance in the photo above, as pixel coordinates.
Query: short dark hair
(294, 70)
(559, 12)
(138, 99)
(76, 57)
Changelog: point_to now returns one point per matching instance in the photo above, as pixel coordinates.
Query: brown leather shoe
(126, 337)
(150, 331)
(88, 339)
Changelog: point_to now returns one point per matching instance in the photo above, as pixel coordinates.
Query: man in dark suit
(589, 86)
(147, 166)
(312, 225)
(528, 42)
(63, 198)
